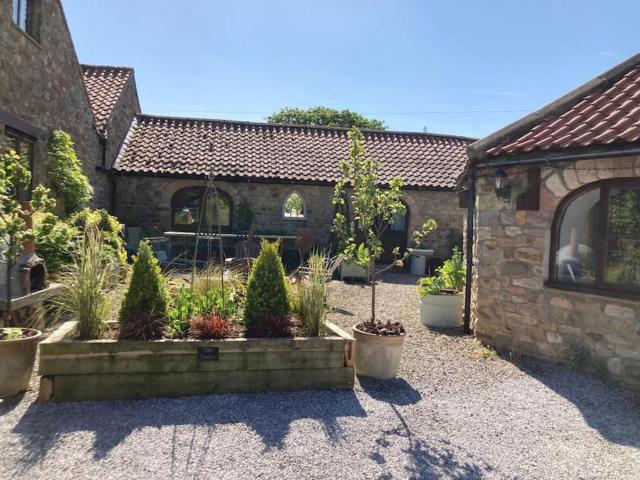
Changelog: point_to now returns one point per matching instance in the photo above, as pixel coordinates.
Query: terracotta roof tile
(609, 114)
(104, 85)
(181, 146)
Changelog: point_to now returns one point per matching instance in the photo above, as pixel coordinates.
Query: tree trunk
(372, 277)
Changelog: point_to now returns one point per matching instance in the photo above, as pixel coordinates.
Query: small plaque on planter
(209, 354)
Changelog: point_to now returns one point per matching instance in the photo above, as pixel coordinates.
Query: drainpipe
(471, 203)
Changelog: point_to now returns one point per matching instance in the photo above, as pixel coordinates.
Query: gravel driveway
(452, 413)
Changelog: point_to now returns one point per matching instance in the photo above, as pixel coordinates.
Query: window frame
(600, 286)
(16, 139)
(29, 17)
(304, 207)
(186, 228)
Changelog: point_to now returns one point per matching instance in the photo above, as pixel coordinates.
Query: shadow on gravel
(425, 460)
(270, 415)
(396, 391)
(608, 408)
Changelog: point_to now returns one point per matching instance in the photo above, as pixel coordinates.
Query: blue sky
(461, 67)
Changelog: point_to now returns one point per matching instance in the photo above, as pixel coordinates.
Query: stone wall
(123, 113)
(513, 310)
(42, 89)
(146, 201)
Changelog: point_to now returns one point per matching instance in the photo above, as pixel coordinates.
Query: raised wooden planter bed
(114, 369)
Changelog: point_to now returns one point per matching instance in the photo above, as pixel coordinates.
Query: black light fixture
(503, 190)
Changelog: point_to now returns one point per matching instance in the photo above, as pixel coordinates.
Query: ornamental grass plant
(312, 293)
(87, 283)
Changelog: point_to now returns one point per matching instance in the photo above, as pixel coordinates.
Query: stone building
(280, 178)
(44, 88)
(262, 169)
(556, 238)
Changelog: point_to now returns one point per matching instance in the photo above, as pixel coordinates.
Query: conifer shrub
(147, 294)
(267, 293)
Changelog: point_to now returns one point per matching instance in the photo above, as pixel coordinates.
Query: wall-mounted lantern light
(503, 190)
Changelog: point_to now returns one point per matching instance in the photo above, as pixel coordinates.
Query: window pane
(22, 19)
(187, 208)
(294, 206)
(23, 147)
(221, 213)
(578, 236)
(15, 12)
(399, 222)
(623, 242)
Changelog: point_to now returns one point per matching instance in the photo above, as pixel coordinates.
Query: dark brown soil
(381, 328)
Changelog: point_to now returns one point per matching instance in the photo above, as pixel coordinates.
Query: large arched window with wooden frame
(596, 239)
(190, 204)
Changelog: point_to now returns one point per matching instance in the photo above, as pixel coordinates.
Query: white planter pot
(377, 356)
(351, 270)
(441, 311)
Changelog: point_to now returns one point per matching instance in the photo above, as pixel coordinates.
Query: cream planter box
(441, 311)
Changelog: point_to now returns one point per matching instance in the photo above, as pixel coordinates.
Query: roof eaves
(478, 149)
(309, 127)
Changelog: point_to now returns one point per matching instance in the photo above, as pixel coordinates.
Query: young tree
(15, 215)
(372, 207)
(325, 117)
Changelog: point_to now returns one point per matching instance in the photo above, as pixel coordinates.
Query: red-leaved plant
(274, 325)
(211, 326)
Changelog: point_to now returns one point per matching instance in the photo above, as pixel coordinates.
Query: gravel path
(452, 413)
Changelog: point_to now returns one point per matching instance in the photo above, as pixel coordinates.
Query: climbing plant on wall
(69, 183)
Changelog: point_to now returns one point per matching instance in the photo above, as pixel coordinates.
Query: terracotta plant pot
(441, 311)
(16, 363)
(377, 356)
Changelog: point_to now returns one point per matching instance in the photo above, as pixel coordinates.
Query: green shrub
(70, 184)
(147, 293)
(453, 271)
(86, 284)
(54, 241)
(430, 286)
(451, 276)
(266, 289)
(109, 226)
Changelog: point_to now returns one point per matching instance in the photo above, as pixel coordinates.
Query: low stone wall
(146, 201)
(113, 369)
(512, 308)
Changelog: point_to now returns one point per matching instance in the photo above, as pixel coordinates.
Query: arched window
(596, 238)
(294, 207)
(189, 204)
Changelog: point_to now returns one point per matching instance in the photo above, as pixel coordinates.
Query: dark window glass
(399, 223)
(23, 146)
(190, 206)
(623, 237)
(597, 238)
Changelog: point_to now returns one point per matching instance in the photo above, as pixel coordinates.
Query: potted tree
(372, 206)
(17, 345)
(441, 295)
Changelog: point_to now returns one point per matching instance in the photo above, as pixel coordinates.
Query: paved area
(454, 412)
